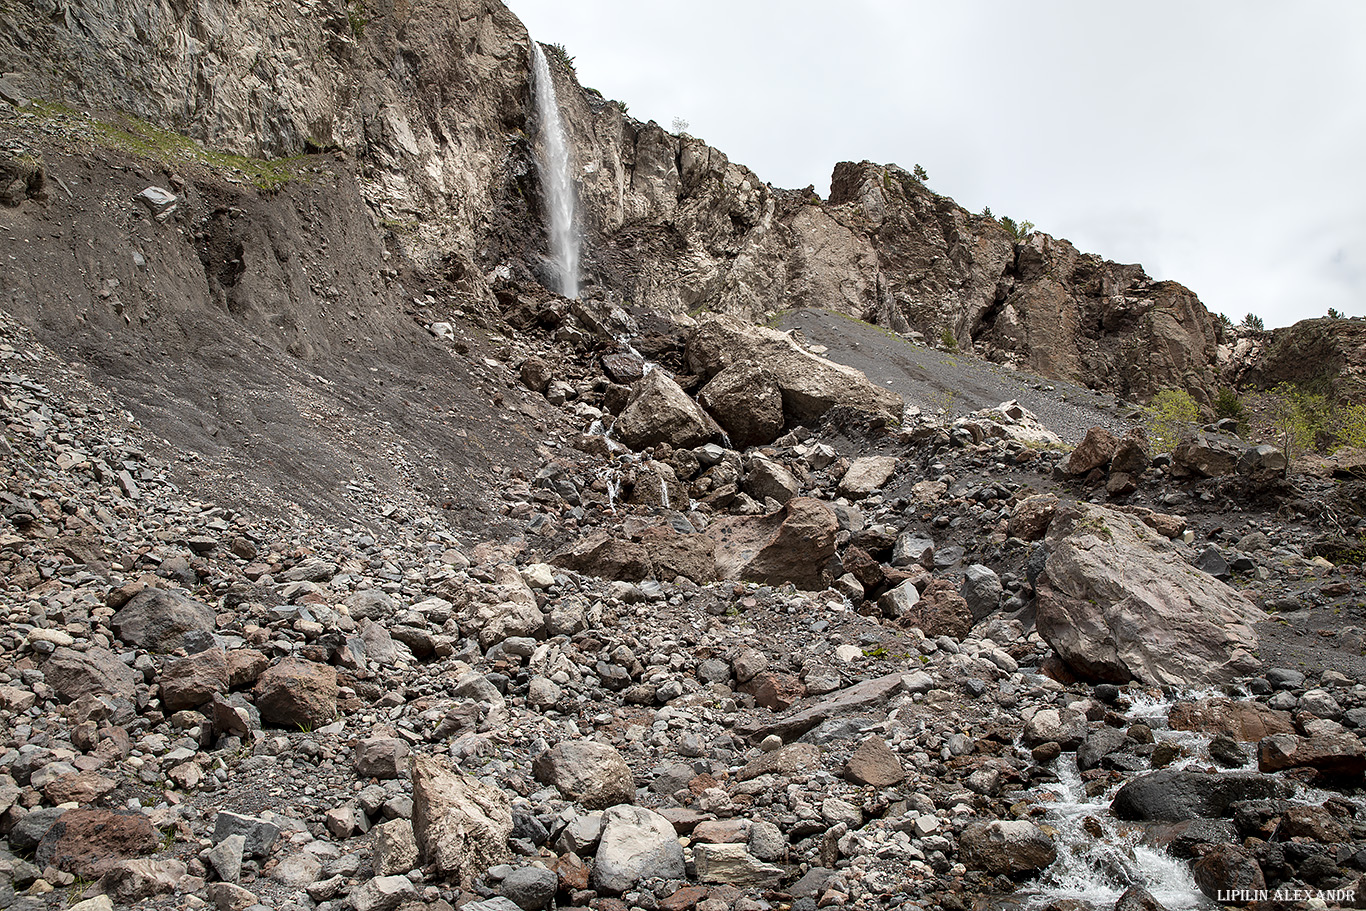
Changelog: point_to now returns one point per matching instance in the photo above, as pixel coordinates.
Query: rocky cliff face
(1325, 355)
(432, 98)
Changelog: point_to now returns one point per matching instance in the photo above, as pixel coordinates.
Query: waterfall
(557, 187)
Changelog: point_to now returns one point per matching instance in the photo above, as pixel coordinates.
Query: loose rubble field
(205, 706)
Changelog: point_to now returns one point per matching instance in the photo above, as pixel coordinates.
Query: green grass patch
(139, 138)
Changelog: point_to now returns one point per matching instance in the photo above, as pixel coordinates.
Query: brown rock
(684, 899)
(536, 374)
(941, 611)
(89, 842)
(606, 557)
(793, 544)
(1248, 722)
(1095, 450)
(1227, 868)
(573, 873)
(189, 682)
(297, 694)
(245, 666)
(746, 401)
(96, 670)
(775, 690)
(874, 763)
(672, 554)
(1031, 516)
(82, 787)
(461, 824)
(1339, 755)
(1313, 823)
(1131, 455)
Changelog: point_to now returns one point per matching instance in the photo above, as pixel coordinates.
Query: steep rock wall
(432, 98)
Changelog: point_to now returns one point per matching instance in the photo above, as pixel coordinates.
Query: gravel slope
(958, 383)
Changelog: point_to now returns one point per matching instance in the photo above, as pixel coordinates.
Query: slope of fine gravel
(958, 383)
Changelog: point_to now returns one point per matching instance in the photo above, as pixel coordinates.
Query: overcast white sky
(1220, 144)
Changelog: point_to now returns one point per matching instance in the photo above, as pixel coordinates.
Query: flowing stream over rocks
(553, 164)
(1100, 857)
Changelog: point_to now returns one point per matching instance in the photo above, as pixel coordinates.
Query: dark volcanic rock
(1175, 795)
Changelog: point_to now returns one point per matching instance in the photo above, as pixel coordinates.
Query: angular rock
(784, 762)
(1117, 603)
(381, 757)
(810, 385)
(1245, 721)
(462, 826)
(592, 773)
(746, 401)
(395, 847)
(637, 844)
(733, 864)
(383, 893)
(298, 694)
(189, 682)
(1095, 450)
(158, 619)
(981, 590)
(1207, 456)
(130, 881)
(258, 835)
(1009, 847)
(89, 842)
(766, 478)
(874, 763)
(793, 544)
(866, 475)
(912, 549)
(659, 411)
(849, 700)
(1031, 517)
(1061, 726)
(941, 611)
(1335, 755)
(96, 670)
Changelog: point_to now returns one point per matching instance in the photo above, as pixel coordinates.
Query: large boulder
(96, 670)
(1095, 450)
(462, 825)
(1333, 754)
(297, 694)
(1117, 602)
(189, 682)
(1177, 795)
(89, 842)
(592, 773)
(1246, 721)
(659, 411)
(793, 544)
(810, 385)
(1207, 455)
(1014, 847)
(660, 552)
(637, 844)
(746, 401)
(157, 619)
(766, 478)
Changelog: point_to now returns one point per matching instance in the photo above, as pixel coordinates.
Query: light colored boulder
(461, 825)
(659, 411)
(1117, 602)
(793, 544)
(637, 844)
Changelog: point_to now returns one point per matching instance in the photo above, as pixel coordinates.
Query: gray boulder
(746, 401)
(1009, 847)
(982, 590)
(637, 844)
(592, 773)
(1177, 795)
(1117, 602)
(659, 411)
(157, 619)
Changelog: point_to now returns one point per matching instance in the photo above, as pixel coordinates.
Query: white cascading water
(557, 186)
(1098, 857)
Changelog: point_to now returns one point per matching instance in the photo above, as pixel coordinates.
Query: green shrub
(1253, 321)
(920, 174)
(1170, 415)
(947, 340)
(1018, 230)
(1228, 405)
